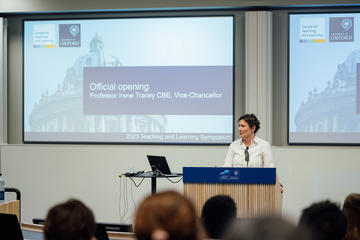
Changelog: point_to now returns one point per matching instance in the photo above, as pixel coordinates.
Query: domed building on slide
(62, 110)
(336, 108)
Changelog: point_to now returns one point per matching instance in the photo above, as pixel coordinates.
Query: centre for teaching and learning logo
(229, 174)
(44, 36)
(69, 35)
(341, 29)
(312, 30)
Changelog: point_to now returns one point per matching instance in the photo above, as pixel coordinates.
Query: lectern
(256, 191)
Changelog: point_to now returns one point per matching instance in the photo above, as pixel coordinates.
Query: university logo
(69, 35)
(74, 30)
(229, 174)
(341, 29)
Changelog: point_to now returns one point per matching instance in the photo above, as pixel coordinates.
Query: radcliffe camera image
(334, 108)
(61, 111)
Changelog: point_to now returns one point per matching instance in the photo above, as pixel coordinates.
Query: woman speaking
(249, 150)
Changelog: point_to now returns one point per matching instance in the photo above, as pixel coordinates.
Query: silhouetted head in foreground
(325, 219)
(217, 213)
(166, 216)
(265, 228)
(71, 220)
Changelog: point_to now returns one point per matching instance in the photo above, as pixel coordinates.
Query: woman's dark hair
(71, 220)
(266, 228)
(325, 219)
(217, 213)
(252, 120)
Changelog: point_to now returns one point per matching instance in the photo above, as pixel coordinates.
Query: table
(153, 176)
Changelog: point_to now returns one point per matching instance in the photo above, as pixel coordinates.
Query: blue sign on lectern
(229, 175)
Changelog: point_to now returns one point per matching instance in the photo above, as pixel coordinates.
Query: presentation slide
(324, 79)
(164, 80)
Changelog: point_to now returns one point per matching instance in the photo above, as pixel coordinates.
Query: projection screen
(129, 80)
(324, 79)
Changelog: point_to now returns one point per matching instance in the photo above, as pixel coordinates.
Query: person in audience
(325, 219)
(166, 216)
(71, 220)
(217, 213)
(265, 228)
(249, 150)
(351, 210)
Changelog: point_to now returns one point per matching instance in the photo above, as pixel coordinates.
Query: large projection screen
(164, 80)
(324, 79)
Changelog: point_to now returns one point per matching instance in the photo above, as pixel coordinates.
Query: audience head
(218, 212)
(325, 219)
(166, 216)
(252, 120)
(265, 228)
(70, 220)
(352, 212)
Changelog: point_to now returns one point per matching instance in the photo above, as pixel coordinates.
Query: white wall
(47, 174)
(312, 174)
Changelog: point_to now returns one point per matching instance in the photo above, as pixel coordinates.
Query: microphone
(247, 156)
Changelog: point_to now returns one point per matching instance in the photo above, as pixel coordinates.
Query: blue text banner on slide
(112, 90)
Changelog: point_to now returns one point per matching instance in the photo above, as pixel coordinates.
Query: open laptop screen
(159, 163)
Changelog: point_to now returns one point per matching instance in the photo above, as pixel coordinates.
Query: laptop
(160, 165)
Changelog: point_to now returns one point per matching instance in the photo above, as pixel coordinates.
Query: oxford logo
(346, 24)
(74, 30)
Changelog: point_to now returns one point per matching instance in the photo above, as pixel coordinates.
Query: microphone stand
(247, 156)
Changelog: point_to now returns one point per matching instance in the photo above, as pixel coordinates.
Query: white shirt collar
(254, 141)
